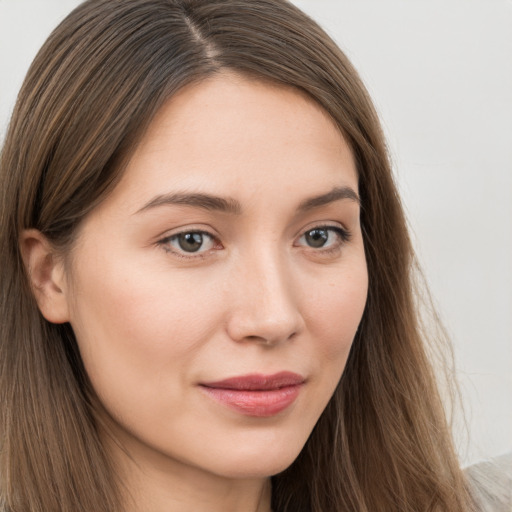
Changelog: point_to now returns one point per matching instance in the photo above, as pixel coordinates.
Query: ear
(46, 274)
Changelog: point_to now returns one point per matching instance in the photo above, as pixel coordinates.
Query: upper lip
(257, 382)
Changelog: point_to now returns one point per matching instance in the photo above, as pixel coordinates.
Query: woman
(207, 290)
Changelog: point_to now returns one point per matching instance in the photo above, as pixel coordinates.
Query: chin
(257, 461)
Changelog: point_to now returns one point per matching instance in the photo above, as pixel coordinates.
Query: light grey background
(440, 72)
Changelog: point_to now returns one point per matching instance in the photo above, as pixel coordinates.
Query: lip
(256, 394)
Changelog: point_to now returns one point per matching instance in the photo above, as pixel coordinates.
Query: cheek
(134, 325)
(335, 311)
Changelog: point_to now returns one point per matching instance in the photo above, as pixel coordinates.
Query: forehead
(228, 131)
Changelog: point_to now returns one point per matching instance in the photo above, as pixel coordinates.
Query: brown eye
(189, 242)
(317, 237)
(324, 237)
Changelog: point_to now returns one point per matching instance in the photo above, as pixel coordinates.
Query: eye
(189, 242)
(323, 237)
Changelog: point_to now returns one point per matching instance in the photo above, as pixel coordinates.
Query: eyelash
(165, 243)
(342, 234)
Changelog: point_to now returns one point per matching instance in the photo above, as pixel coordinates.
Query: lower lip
(260, 404)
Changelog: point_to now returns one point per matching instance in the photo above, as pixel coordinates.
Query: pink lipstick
(257, 395)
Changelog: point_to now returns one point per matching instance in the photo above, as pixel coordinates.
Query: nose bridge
(264, 306)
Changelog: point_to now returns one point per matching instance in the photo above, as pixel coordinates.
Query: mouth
(256, 394)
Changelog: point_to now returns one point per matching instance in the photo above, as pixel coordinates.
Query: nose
(264, 307)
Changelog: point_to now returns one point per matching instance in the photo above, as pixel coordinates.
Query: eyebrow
(336, 194)
(232, 206)
(203, 201)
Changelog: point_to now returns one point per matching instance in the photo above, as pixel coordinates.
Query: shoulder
(491, 484)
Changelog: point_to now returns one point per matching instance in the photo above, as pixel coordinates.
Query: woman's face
(216, 292)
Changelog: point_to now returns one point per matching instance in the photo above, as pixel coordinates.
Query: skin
(154, 321)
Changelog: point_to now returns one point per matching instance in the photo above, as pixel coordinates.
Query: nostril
(271, 338)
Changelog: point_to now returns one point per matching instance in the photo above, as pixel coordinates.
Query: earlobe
(46, 275)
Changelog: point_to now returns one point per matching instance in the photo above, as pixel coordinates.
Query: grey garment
(491, 484)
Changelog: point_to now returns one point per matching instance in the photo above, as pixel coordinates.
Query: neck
(156, 483)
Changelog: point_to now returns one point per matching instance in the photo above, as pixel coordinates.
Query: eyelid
(343, 233)
(335, 226)
(164, 242)
(188, 228)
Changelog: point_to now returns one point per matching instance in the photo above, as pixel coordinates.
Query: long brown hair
(383, 443)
